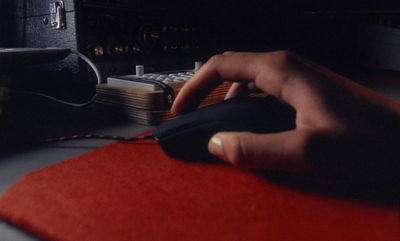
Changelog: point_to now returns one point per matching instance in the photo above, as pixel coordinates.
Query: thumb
(277, 151)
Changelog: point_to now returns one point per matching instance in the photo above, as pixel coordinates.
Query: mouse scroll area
(186, 137)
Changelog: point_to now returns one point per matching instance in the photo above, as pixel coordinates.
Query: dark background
(352, 37)
(331, 32)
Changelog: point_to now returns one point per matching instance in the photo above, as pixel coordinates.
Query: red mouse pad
(135, 192)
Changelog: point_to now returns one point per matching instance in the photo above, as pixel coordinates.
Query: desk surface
(14, 165)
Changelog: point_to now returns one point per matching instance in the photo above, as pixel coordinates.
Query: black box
(115, 35)
(123, 31)
(7, 34)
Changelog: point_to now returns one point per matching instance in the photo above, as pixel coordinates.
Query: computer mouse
(186, 137)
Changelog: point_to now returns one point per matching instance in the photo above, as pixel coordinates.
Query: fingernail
(216, 147)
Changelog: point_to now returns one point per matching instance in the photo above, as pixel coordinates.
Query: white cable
(98, 76)
(26, 92)
(90, 63)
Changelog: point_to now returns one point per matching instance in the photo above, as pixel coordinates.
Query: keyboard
(152, 81)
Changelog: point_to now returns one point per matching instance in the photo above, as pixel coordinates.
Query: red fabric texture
(135, 192)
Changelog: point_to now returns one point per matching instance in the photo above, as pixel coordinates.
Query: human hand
(341, 126)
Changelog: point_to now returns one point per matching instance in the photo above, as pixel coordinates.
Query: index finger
(269, 71)
(233, 67)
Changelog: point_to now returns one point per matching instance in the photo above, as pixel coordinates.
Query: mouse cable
(103, 137)
(78, 105)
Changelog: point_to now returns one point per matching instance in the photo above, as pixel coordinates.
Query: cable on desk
(103, 137)
(60, 101)
(72, 104)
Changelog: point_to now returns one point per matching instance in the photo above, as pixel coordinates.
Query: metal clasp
(57, 15)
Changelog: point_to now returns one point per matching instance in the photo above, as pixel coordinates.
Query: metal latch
(57, 15)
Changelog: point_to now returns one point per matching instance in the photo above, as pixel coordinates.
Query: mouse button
(171, 128)
(183, 122)
(186, 132)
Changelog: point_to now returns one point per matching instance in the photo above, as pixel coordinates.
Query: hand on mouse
(341, 126)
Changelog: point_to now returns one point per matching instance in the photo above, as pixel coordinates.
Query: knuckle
(283, 56)
(281, 66)
(228, 52)
(215, 59)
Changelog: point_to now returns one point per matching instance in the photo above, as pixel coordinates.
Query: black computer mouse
(186, 137)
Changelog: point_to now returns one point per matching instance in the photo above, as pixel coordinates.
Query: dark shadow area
(386, 194)
(28, 121)
(378, 188)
